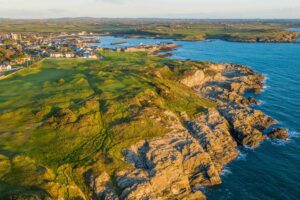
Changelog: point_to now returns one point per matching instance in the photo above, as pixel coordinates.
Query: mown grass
(61, 117)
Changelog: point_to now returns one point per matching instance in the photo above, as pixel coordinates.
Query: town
(22, 49)
(19, 50)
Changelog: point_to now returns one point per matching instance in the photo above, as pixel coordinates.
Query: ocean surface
(294, 29)
(272, 171)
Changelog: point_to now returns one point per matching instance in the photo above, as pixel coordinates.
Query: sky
(208, 9)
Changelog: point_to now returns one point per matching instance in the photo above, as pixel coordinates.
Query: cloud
(150, 8)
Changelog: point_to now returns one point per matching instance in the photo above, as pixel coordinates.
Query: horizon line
(147, 18)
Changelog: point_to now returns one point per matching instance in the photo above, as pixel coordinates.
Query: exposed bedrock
(228, 87)
(279, 133)
(248, 125)
(179, 164)
(192, 155)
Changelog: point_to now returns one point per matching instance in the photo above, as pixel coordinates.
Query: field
(63, 117)
(231, 30)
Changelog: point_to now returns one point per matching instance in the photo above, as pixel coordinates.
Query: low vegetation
(63, 117)
(231, 30)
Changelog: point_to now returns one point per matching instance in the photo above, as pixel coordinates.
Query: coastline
(240, 126)
(205, 145)
(293, 39)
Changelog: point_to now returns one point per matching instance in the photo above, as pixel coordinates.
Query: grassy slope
(62, 117)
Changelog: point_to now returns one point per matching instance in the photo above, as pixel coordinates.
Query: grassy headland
(62, 117)
(231, 30)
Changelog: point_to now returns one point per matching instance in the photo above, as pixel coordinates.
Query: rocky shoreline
(181, 163)
(290, 37)
(144, 127)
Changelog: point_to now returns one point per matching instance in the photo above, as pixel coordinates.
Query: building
(15, 36)
(5, 67)
(82, 33)
(69, 55)
(56, 55)
(62, 55)
(22, 60)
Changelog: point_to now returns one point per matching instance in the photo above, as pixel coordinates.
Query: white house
(5, 67)
(56, 55)
(69, 55)
(82, 33)
(62, 55)
(92, 56)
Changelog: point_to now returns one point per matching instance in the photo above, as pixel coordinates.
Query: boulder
(252, 100)
(195, 79)
(247, 124)
(179, 164)
(279, 133)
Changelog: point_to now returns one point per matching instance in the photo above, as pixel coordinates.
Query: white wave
(249, 147)
(261, 103)
(294, 134)
(265, 87)
(242, 156)
(266, 78)
(225, 171)
(278, 142)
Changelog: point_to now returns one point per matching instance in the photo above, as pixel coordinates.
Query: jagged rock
(191, 156)
(213, 132)
(248, 124)
(168, 175)
(229, 85)
(195, 196)
(228, 89)
(110, 195)
(195, 79)
(100, 185)
(252, 101)
(179, 163)
(279, 133)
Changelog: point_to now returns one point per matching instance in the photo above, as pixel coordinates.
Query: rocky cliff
(191, 156)
(162, 131)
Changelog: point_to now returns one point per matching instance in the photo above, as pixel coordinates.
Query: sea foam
(294, 134)
(226, 171)
(242, 156)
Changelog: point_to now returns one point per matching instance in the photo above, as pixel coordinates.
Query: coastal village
(19, 50)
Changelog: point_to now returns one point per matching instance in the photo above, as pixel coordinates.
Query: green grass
(251, 30)
(61, 117)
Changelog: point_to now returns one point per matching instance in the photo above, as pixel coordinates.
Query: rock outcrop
(192, 155)
(195, 79)
(228, 87)
(248, 125)
(285, 37)
(179, 164)
(279, 133)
